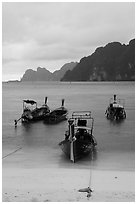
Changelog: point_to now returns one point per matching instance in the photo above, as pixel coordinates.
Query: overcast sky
(52, 34)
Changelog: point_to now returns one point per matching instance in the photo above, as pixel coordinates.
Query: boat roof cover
(116, 105)
(30, 101)
(82, 127)
(81, 115)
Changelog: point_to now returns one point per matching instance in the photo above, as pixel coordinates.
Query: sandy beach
(32, 175)
(59, 184)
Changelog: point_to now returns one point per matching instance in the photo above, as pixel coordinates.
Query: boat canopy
(116, 105)
(81, 115)
(30, 102)
(82, 127)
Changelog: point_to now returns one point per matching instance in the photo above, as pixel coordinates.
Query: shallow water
(39, 141)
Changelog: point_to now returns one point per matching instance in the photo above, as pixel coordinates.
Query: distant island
(42, 74)
(113, 62)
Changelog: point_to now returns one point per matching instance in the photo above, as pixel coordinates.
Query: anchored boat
(32, 113)
(57, 115)
(79, 140)
(115, 110)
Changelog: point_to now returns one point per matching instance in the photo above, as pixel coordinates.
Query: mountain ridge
(43, 74)
(113, 62)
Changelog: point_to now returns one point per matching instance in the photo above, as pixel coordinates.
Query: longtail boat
(115, 109)
(79, 140)
(57, 115)
(32, 113)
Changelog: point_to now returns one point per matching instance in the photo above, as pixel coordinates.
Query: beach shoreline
(62, 185)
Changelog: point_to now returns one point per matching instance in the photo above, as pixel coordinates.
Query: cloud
(56, 32)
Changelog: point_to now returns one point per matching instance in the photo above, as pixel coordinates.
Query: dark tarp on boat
(30, 101)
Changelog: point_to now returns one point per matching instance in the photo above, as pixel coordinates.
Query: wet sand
(38, 182)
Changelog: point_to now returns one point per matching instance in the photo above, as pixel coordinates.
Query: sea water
(38, 142)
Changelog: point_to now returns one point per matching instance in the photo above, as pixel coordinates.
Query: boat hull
(115, 110)
(35, 115)
(116, 114)
(80, 148)
(56, 117)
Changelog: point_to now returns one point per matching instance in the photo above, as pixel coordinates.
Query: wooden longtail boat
(79, 140)
(57, 115)
(115, 110)
(32, 113)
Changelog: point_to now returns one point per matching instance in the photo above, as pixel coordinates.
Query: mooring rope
(90, 178)
(12, 153)
(88, 190)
